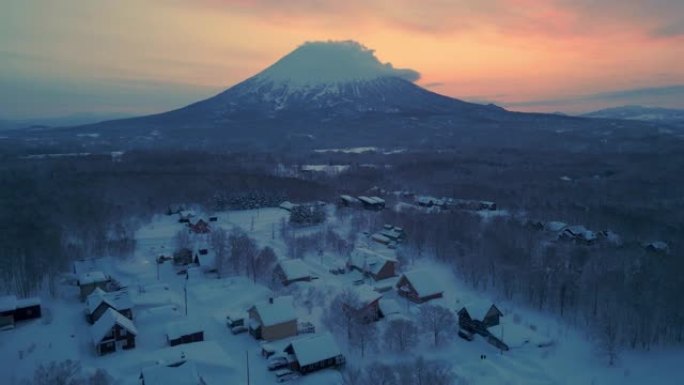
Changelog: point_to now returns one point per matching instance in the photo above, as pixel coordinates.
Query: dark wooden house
(419, 286)
(184, 332)
(13, 310)
(89, 281)
(200, 227)
(99, 301)
(314, 353)
(474, 325)
(290, 271)
(112, 332)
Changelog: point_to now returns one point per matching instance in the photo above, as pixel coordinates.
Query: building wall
(279, 331)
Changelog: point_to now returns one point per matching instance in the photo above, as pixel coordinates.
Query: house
(368, 308)
(381, 239)
(389, 308)
(372, 203)
(91, 280)
(113, 331)
(473, 325)
(287, 206)
(315, 353)
(13, 309)
(395, 234)
(183, 257)
(99, 301)
(200, 227)
(184, 374)
(419, 286)
(348, 201)
(183, 332)
(292, 270)
(578, 234)
(273, 319)
(83, 266)
(372, 264)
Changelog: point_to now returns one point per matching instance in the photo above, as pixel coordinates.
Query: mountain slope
(639, 113)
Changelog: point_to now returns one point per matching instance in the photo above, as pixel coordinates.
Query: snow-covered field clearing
(63, 333)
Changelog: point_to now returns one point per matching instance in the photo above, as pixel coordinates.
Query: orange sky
(68, 56)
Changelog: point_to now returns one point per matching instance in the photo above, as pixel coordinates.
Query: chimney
(270, 300)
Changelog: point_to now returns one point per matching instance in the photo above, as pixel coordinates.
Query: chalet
(348, 201)
(287, 206)
(183, 332)
(578, 234)
(113, 331)
(183, 257)
(13, 310)
(184, 373)
(315, 353)
(99, 301)
(91, 280)
(372, 203)
(474, 325)
(292, 270)
(368, 308)
(419, 286)
(273, 319)
(372, 264)
(200, 227)
(657, 247)
(389, 308)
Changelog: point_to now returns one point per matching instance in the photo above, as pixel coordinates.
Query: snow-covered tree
(401, 335)
(438, 321)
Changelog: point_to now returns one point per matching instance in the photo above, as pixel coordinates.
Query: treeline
(624, 295)
(55, 210)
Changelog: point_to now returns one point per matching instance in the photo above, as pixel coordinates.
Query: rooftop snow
(118, 300)
(367, 294)
(281, 310)
(185, 374)
(91, 277)
(368, 260)
(315, 349)
(424, 283)
(331, 62)
(8, 303)
(107, 322)
(182, 328)
(294, 269)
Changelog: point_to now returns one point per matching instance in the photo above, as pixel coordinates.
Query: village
(167, 316)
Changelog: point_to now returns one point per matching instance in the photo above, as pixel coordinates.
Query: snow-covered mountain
(639, 113)
(331, 94)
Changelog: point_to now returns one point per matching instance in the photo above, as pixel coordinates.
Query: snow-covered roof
(185, 374)
(276, 311)
(348, 198)
(581, 231)
(179, 329)
(315, 349)
(554, 226)
(107, 322)
(119, 300)
(92, 277)
(8, 303)
(366, 294)
(85, 265)
(368, 260)
(423, 282)
(26, 302)
(287, 205)
(389, 307)
(294, 269)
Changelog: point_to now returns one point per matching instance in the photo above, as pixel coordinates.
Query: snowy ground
(63, 332)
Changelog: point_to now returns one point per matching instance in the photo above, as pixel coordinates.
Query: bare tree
(339, 315)
(58, 373)
(401, 335)
(437, 320)
(364, 336)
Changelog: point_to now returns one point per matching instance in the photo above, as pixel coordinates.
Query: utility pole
(247, 356)
(185, 290)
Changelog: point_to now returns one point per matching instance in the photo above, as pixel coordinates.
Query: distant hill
(639, 113)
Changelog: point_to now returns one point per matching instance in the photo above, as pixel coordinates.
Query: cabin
(99, 301)
(184, 373)
(183, 257)
(367, 310)
(372, 203)
(112, 332)
(273, 319)
(183, 332)
(372, 264)
(22, 309)
(314, 353)
(290, 271)
(200, 227)
(389, 308)
(473, 325)
(287, 206)
(579, 234)
(348, 201)
(88, 282)
(419, 286)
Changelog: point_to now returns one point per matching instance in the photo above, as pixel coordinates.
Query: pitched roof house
(113, 331)
(372, 264)
(184, 332)
(273, 319)
(89, 281)
(368, 308)
(200, 227)
(184, 374)
(315, 353)
(99, 301)
(13, 309)
(292, 270)
(419, 286)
